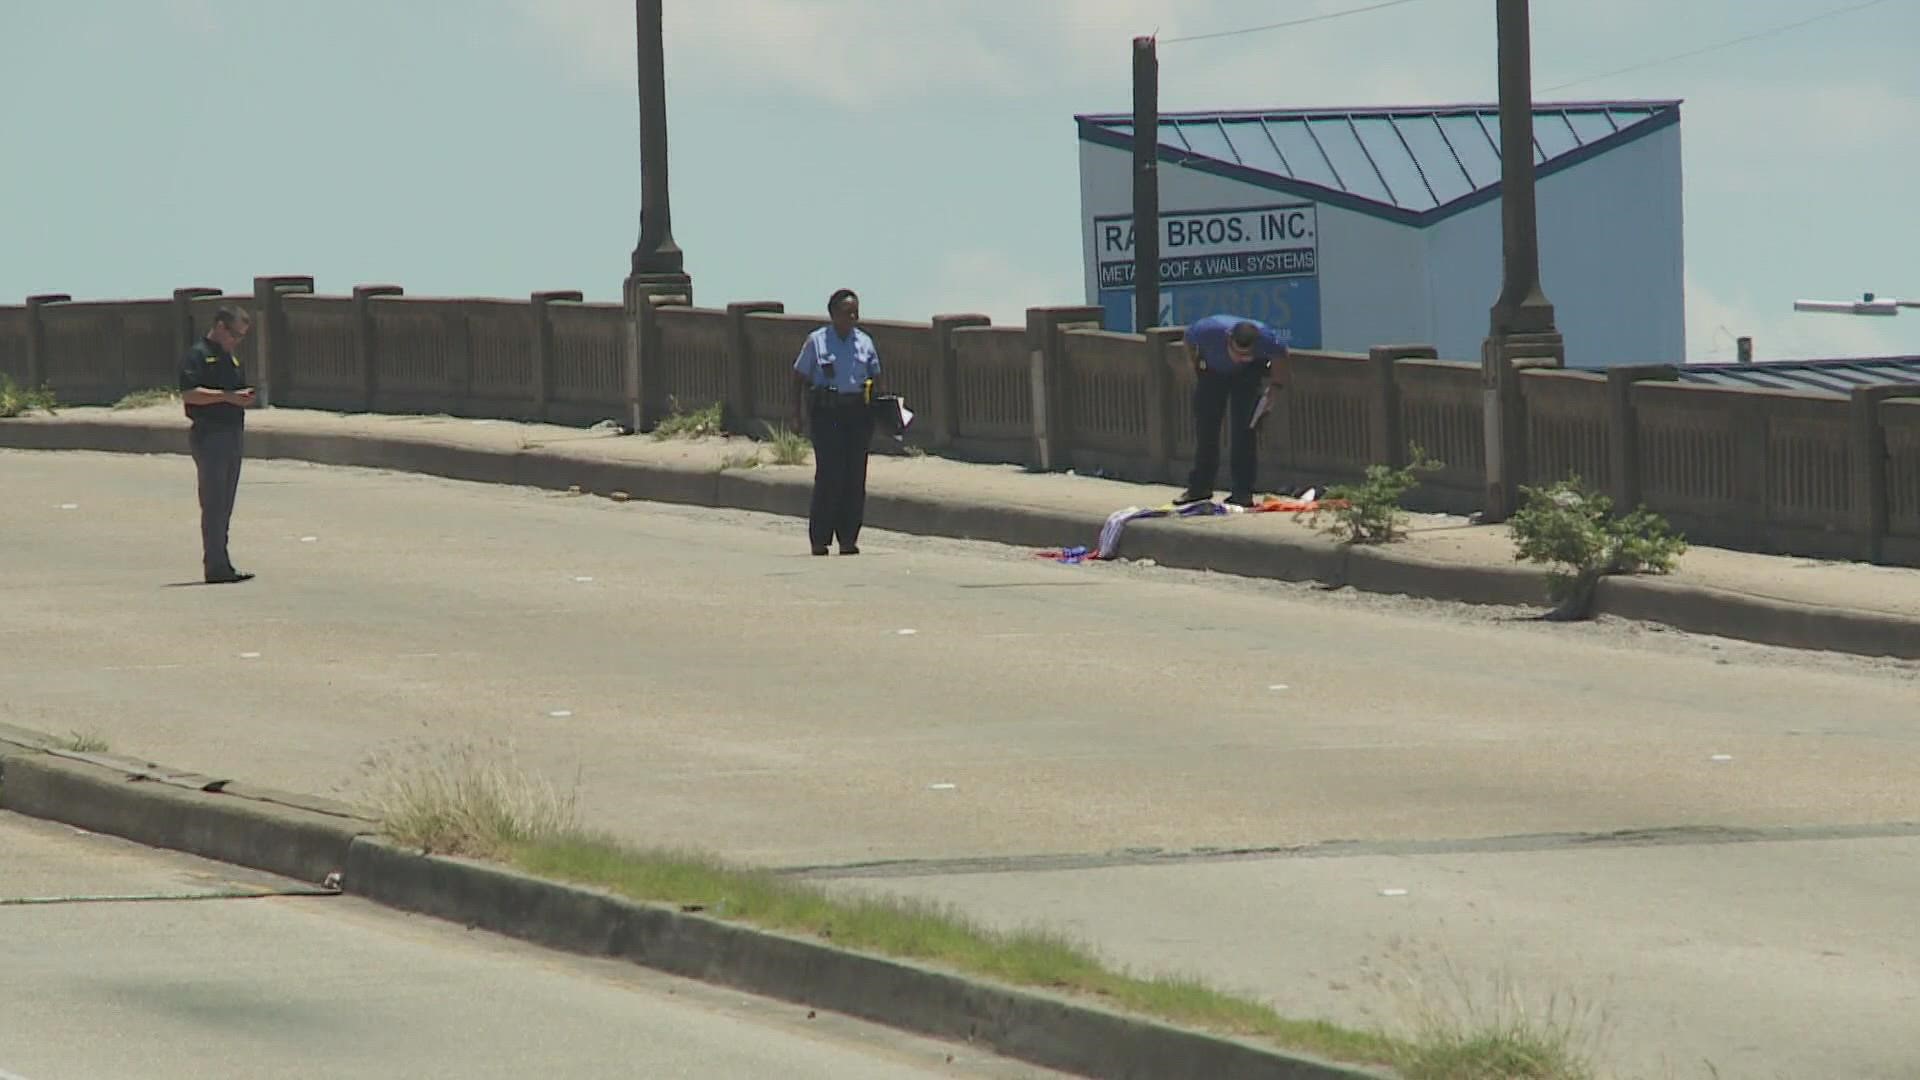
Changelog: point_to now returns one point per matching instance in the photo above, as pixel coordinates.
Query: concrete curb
(1694, 608)
(301, 844)
(1042, 1030)
(1049, 1031)
(1760, 619)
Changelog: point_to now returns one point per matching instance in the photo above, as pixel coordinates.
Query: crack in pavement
(147, 898)
(1660, 836)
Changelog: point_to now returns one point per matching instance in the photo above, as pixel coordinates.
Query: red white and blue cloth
(1107, 547)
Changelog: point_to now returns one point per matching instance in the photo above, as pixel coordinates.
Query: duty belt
(834, 399)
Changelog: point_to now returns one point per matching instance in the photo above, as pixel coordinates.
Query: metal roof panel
(1443, 171)
(1836, 378)
(1478, 154)
(1358, 174)
(1397, 165)
(1306, 159)
(1205, 137)
(1411, 164)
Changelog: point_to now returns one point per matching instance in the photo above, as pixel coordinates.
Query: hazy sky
(923, 152)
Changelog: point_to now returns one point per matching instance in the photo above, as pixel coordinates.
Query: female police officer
(833, 386)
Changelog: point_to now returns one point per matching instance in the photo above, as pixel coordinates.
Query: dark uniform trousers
(216, 457)
(1233, 397)
(842, 432)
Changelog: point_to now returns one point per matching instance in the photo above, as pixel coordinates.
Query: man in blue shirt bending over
(1233, 363)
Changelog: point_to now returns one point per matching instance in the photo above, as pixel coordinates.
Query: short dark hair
(231, 315)
(1245, 334)
(839, 295)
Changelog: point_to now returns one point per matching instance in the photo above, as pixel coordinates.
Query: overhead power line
(1756, 36)
(1283, 25)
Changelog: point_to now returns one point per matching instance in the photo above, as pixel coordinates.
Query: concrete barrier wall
(586, 362)
(773, 343)
(1900, 421)
(994, 376)
(694, 343)
(1439, 407)
(1567, 430)
(1760, 470)
(13, 344)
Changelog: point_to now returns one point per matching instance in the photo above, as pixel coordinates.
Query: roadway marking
(1676, 836)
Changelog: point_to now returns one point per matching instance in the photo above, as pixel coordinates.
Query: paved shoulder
(122, 962)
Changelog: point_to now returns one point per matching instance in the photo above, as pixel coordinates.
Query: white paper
(1261, 410)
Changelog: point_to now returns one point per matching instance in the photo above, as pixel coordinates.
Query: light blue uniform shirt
(854, 360)
(1210, 336)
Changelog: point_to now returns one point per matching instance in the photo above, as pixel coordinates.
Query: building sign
(1259, 262)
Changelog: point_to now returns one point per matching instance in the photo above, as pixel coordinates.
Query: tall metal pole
(1522, 333)
(1146, 185)
(656, 253)
(1523, 307)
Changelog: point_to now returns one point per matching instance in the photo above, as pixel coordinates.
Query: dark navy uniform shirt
(208, 367)
(1210, 335)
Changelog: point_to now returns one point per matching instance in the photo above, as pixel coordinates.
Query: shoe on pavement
(231, 577)
(849, 549)
(1192, 495)
(1238, 499)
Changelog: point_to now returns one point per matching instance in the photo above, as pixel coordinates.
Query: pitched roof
(1414, 165)
(1837, 377)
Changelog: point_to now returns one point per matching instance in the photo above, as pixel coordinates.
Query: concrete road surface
(1683, 828)
(120, 962)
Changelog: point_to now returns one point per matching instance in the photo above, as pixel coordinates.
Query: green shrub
(1572, 529)
(1369, 512)
(16, 400)
(140, 399)
(788, 447)
(697, 424)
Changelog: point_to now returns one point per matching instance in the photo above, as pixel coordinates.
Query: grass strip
(471, 799)
(929, 933)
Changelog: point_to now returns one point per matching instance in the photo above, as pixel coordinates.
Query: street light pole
(1523, 307)
(1868, 304)
(1522, 332)
(1146, 185)
(656, 256)
(658, 275)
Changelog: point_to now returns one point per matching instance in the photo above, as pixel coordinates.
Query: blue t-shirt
(1210, 336)
(853, 358)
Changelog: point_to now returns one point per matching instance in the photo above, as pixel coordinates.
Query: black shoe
(1193, 495)
(1240, 500)
(820, 551)
(231, 577)
(849, 549)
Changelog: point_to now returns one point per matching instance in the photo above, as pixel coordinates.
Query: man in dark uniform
(1234, 378)
(214, 388)
(833, 391)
